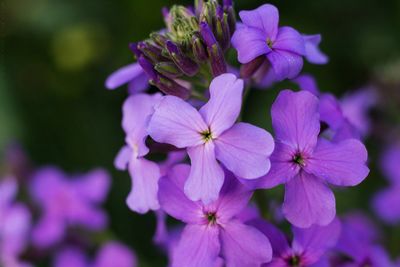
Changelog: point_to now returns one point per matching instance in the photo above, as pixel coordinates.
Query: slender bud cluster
(193, 43)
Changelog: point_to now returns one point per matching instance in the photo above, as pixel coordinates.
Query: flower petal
(308, 201)
(307, 82)
(342, 164)
(48, 231)
(223, 108)
(143, 196)
(313, 53)
(199, 246)
(295, 119)
(249, 43)
(123, 75)
(289, 40)
(312, 243)
(93, 186)
(70, 257)
(122, 159)
(244, 246)
(386, 205)
(265, 18)
(177, 123)
(286, 65)
(244, 149)
(172, 198)
(206, 176)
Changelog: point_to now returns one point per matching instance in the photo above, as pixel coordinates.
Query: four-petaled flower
(211, 134)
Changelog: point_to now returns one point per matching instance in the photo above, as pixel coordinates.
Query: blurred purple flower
(131, 74)
(15, 221)
(212, 230)
(313, 53)
(305, 163)
(110, 254)
(386, 202)
(308, 247)
(137, 110)
(260, 35)
(211, 134)
(67, 201)
(358, 241)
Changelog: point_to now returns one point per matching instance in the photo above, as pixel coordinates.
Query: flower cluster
(216, 161)
(59, 220)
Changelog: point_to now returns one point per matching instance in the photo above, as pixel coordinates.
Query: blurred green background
(56, 54)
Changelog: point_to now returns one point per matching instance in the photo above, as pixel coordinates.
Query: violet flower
(110, 254)
(212, 230)
(284, 47)
(359, 243)
(131, 74)
(15, 220)
(67, 202)
(211, 134)
(313, 53)
(305, 163)
(386, 202)
(308, 247)
(137, 110)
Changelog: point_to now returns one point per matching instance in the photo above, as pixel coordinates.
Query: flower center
(299, 159)
(269, 42)
(211, 218)
(207, 135)
(294, 261)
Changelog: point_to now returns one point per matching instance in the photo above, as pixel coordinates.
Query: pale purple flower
(313, 53)
(131, 74)
(67, 201)
(260, 35)
(212, 231)
(359, 243)
(15, 221)
(307, 82)
(308, 247)
(210, 134)
(144, 173)
(306, 163)
(386, 202)
(110, 254)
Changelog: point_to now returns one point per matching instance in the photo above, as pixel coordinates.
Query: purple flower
(308, 247)
(386, 202)
(305, 163)
(110, 254)
(211, 134)
(212, 230)
(358, 241)
(131, 74)
(313, 53)
(260, 35)
(67, 202)
(137, 110)
(15, 222)
(307, 82)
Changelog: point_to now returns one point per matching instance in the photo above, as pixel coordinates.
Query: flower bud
(168, 69)
(158, 39)
(215, 53)
(147, 67)
(199, 51)
(135, 50)
(187, 65)
(198, 6)
(230, 11)
(170, 87)
(222, 31)
(152, 52)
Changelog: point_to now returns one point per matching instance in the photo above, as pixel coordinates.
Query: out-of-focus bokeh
(56, 54)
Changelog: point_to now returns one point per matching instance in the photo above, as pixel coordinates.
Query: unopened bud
(199, 51)
(168, 69)
(170, 87)
(187, 65)
(147, 67)
(152, 52)
(222, 31)
(158, 39)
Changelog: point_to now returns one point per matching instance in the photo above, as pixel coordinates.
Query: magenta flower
(131, 74)
(137, 110)
(67, 202)
(15, 220)
(386, 202)
(211, 134)
(308, 247)
(284, 47)
(212, 230)
(305, 163)
(110, 254)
